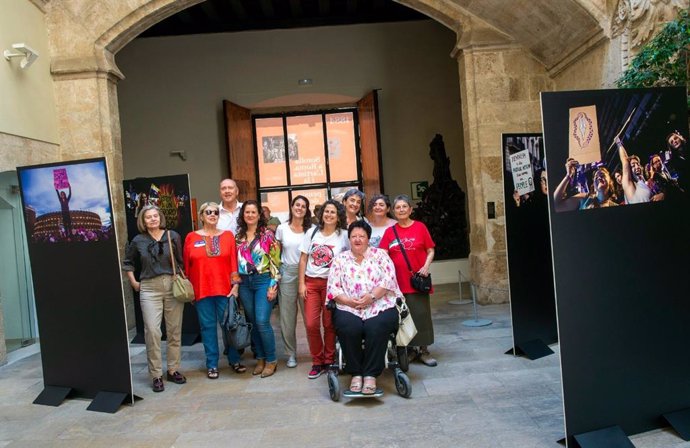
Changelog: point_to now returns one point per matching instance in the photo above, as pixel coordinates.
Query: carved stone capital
(637, 21)
(475, 34)
(100, 63)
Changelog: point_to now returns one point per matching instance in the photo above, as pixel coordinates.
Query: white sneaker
(291, 362)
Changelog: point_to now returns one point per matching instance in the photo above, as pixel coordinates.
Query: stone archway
(503, 65)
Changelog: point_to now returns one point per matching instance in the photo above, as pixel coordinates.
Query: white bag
(406, 330)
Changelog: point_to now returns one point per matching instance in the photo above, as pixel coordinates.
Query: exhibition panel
(620, 215)
(76, 274)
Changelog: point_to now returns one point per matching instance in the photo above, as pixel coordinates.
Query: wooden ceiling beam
(267, 8)
(324, 7)
(209, 8)
(296, 9)
(238, 9)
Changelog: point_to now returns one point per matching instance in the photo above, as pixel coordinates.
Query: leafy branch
(663, 61)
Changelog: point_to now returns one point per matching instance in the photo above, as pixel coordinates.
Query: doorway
(16, 288)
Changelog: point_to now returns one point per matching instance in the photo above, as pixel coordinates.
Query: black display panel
(76, 275)
(621, 271)
(528, 241)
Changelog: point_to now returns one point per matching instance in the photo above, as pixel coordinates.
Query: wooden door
(240, 147)
(370, 144)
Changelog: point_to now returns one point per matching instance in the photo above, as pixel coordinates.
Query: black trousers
(351, 330)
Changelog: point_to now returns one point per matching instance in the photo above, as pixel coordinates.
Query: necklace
(212, 245)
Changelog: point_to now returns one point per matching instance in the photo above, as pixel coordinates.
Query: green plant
(663, 61)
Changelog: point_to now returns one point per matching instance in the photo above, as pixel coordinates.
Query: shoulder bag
(183, 291)
(235, 326)
(406, 329)
(419, 282)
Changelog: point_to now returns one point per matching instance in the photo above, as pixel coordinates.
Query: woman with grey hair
(414, 238)
(353, 201)
(151, 249)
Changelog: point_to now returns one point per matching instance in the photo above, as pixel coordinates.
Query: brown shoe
(260, 364)
(270, 369)
(425, 358)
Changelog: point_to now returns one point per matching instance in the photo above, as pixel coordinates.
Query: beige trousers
(289, 303)
(157, 300)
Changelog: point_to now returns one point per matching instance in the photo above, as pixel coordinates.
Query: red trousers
(321, 345)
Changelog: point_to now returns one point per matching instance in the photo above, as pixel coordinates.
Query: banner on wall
(76, 274)
(583, 141)
(620, 272)
(172, 195)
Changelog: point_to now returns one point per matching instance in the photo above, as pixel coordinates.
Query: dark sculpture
(442, 207)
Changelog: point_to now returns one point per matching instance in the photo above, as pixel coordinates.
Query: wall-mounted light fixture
(305, 82)
(28, 54)
(181, 154)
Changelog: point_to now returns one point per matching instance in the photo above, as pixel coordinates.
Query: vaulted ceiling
(220, 16)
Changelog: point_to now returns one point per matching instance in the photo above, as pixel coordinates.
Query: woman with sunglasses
(151, 250)
(210, 260)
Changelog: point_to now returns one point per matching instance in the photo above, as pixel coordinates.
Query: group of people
(362, 263)
(664, 177)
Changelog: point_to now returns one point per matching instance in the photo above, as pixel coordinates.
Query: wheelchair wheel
(402, 384)
(333, 386)
(403, 358)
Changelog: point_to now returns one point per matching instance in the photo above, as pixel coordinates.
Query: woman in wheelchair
(363, 285)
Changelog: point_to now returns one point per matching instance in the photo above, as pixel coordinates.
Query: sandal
(238, 368)
(212, 373)
(356, 384)
(369, 387)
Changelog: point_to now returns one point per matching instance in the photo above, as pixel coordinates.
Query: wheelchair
(396, 359)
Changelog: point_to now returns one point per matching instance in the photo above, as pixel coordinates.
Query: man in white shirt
(229, 205)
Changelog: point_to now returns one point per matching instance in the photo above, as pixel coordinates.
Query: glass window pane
(305, 146)
(339, 192)
(271, 148)
(342, 154)
(278, 202)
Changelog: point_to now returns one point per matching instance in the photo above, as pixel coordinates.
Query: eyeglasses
(211, 212)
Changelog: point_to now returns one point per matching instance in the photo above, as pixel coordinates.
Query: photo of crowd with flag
(623, 151)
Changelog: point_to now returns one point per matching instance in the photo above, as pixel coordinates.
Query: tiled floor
(476, 397)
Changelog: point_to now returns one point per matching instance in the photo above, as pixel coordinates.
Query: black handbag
(235, 326)
(417, 281)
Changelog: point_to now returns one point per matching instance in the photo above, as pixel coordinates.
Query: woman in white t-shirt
(319, 247)
(290, 234)
(379, 217)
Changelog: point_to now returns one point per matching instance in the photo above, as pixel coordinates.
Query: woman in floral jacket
(258, 258)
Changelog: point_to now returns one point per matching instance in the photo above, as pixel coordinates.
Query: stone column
(499, 89)
(89, 125)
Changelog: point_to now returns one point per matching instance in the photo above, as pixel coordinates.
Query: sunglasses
(211, 212)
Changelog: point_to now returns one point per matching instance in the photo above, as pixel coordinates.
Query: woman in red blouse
(210, 261)
(419, 247)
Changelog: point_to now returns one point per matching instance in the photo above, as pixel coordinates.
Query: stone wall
(499, 85)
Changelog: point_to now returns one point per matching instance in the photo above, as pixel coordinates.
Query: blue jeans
(210, 311)
(254, 297)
